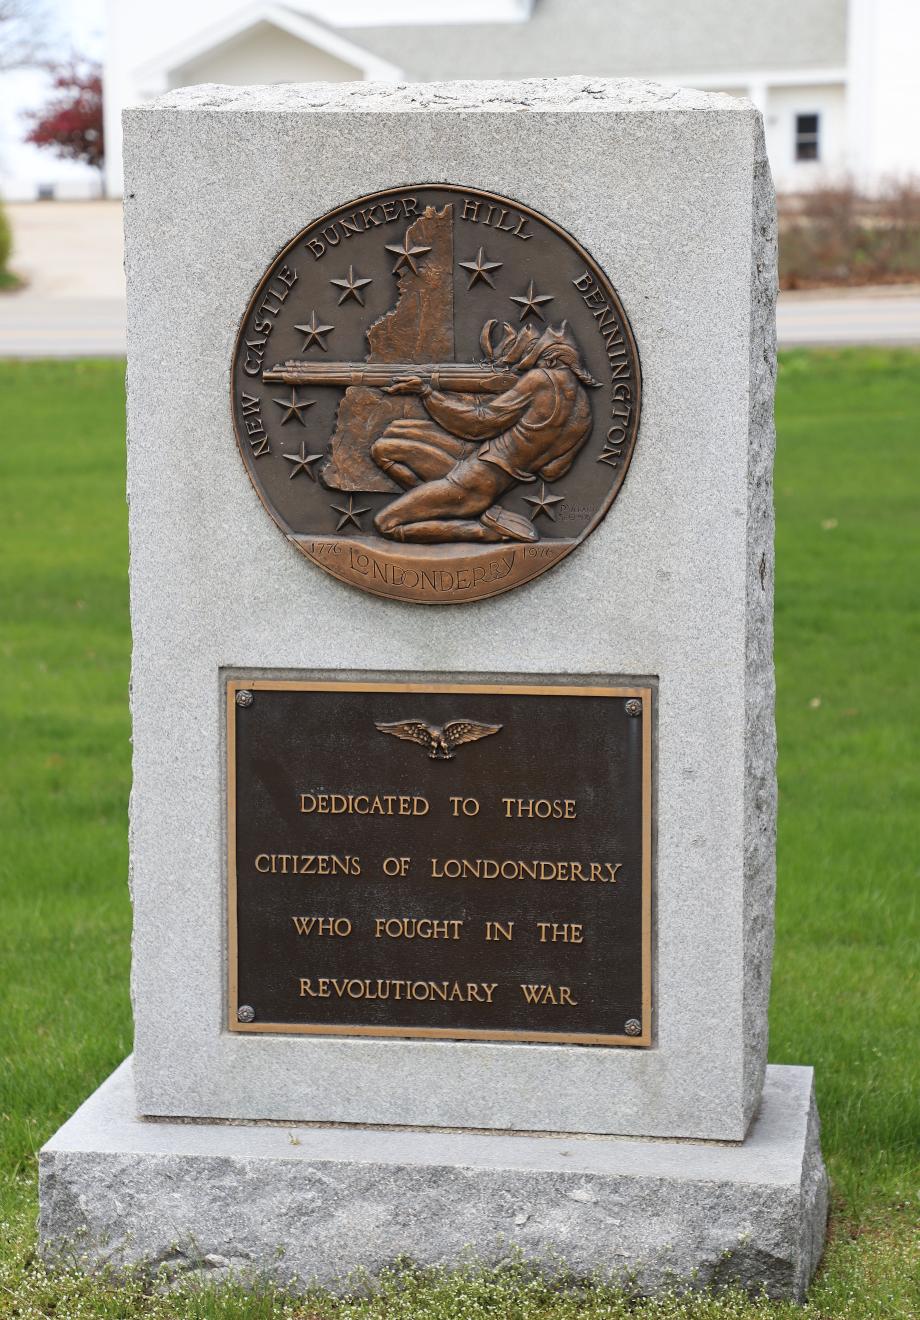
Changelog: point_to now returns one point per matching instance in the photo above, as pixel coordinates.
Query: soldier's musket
(462, 377)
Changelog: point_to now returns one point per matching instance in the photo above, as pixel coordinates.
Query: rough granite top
(541, 94)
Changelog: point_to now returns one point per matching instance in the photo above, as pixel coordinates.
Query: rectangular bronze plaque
(466, 861)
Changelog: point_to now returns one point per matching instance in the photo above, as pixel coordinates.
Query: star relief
(352, 286)
(294, 408)
(314, 332)
(480, 268)
(406, 255)
(303, 462)
(349, 514)
(543, 503)
(530, 302)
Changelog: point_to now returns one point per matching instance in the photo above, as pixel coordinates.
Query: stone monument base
(313, 1203)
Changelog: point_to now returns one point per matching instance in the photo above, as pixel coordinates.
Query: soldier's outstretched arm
(477, 417)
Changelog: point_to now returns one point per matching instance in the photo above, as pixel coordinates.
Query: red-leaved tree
(71, 122)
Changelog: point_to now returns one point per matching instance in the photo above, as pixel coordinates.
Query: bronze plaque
(436, 393)
(465, 861)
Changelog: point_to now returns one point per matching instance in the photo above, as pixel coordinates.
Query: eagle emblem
(440, 740)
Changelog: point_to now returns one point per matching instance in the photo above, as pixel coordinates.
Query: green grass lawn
(845, 985)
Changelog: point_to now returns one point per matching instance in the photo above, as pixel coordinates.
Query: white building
(836, 80)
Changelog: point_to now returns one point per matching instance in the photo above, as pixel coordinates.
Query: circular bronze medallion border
(600, 278)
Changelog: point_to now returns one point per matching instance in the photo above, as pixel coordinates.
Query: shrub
(6, 241)
(836, 235)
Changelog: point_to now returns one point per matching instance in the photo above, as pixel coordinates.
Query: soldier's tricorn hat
(512, 344)
(527, 354)
(524, 348)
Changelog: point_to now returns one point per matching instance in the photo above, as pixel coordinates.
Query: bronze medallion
(436, 393)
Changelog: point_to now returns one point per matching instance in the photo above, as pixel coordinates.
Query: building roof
(621, 38)
(233, 27)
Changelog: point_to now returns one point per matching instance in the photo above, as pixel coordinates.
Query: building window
(806, 137)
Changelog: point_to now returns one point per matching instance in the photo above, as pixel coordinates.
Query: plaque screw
(246, 1012)
(633, 707)
(633, 1026)
(244, 698)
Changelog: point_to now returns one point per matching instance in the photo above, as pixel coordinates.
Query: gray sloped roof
(622, 38)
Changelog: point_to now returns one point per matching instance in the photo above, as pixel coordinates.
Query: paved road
(63, 327)
(71, 255)
(877, 316)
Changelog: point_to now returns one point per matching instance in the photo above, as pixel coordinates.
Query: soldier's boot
(509, 526)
